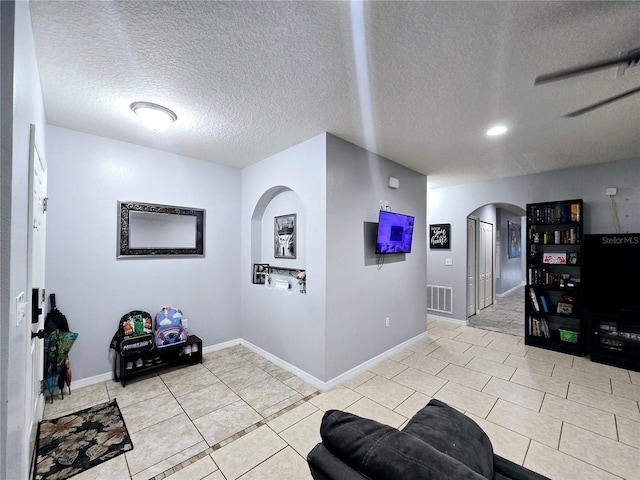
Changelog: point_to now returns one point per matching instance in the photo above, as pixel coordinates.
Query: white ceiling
(416, 82)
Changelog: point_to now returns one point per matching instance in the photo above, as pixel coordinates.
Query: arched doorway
(495, 275)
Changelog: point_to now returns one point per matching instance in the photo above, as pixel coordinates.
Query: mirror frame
(124, 251)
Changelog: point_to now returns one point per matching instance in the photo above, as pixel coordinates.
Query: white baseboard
(308, 378)
(363, 367)
(511, 290)
(340, 379)
(85, 382)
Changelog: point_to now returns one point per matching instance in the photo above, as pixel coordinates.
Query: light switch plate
(448, 261)
(21, 308)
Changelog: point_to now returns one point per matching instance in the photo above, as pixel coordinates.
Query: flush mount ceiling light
(153, 116)
(497, 130)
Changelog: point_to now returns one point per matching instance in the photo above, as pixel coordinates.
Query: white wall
(453, 204)
(27, 109)
(87, 177)
(290, 326)
(359, 294)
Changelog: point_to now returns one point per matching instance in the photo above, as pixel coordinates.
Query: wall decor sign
(284, 230)
(440, 235)
(513, 230)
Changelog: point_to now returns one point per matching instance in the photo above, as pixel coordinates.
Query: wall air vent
(439, 299)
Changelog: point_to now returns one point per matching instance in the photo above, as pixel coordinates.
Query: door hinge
(45, 202)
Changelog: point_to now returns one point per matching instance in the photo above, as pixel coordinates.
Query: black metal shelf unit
(554, 317)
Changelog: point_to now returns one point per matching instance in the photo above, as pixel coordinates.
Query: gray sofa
(438, 443)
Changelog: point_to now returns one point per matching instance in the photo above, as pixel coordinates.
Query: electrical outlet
(386, 206)
(448, 261)
(611, 192)
(185, 323)
(387, 321)
(381, 205)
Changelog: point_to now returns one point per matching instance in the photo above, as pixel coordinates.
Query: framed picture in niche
(440, 235)
(260, 272)
(284, 232)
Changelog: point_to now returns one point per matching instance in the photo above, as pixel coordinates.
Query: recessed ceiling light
(497, 130)
(153, 116)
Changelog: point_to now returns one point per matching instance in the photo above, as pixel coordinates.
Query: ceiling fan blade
(632, 56)
(588, 109)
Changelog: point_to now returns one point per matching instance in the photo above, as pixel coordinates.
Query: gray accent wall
(361, 290)
(287, 324)
(88, 175)
(334, 187)
(454, 204)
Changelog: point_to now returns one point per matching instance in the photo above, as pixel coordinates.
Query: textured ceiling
(417, 82)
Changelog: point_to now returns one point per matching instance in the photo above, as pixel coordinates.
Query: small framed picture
(574, 258)
(284, 232)
(260, 272)
(565, 308)
(555, 258)
(440, 235)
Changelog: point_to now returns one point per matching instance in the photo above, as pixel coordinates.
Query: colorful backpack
(169, 329)
(134, 334)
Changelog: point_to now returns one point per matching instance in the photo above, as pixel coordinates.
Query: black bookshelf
(554, 315)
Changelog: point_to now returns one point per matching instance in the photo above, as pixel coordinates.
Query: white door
(471, 266)
(34, 400)
(485, 265)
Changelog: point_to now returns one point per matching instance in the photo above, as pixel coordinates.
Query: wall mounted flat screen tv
(395, 233)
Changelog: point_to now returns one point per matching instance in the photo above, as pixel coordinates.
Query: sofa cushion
(385, 453)
(455, 435)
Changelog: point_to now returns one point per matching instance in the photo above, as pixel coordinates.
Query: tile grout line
(232, 438)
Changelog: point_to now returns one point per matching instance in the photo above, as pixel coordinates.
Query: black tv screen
(395, 233)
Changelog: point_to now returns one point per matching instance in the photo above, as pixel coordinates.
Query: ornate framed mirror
(148, 229)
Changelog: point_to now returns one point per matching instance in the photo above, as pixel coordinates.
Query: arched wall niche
(277, 200)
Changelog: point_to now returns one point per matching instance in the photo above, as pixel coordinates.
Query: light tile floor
(506, 315)
(238, 416)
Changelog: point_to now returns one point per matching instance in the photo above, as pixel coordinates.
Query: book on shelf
(561, 213)
(534, 300)
(538, 327)
(545, 305)
(575, 212)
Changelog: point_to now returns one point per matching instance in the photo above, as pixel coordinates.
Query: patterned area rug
(74, 443)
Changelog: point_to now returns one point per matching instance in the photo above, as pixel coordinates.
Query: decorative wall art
(260, 272)
(149, 229)
(285, 236)
(514, 239)
(440, 235)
